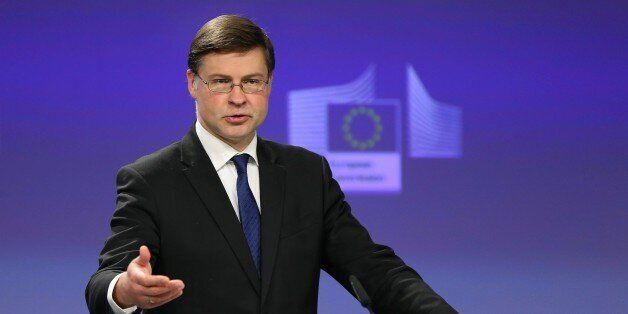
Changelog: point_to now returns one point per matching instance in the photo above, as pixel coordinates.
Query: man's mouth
(237, 118)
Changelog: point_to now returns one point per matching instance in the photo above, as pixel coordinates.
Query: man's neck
(239, 146)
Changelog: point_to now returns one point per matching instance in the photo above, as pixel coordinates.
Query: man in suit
(226, 222)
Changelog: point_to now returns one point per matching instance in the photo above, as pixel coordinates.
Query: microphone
(360, 293)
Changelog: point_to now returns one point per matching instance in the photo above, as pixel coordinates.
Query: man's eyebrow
(214, 75)
(253, 75)
(219, 75)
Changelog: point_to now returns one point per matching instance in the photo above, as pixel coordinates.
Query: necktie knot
(240, 162)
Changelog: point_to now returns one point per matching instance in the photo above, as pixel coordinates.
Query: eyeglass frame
(232, 86)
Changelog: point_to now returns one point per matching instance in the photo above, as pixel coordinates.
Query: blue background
(532, 218)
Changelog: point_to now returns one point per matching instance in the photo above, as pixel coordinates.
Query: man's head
(231, 50)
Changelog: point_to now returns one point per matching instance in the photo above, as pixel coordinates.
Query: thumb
(144, 257)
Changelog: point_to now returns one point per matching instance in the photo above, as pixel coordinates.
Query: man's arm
(393, 286)
(134, 223)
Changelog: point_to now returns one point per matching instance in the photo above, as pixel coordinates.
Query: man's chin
(239, 138)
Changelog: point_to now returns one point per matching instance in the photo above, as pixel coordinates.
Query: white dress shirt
(220, 154)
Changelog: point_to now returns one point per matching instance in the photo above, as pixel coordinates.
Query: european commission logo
(362, 135)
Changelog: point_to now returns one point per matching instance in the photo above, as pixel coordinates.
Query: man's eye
(251, 82)
(221, 81)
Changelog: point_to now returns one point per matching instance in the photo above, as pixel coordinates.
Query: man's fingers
(150, 280)
(177, 283)
(144, 257)
(164, 298)
(161, 290)
(146, 280)
(154, 291)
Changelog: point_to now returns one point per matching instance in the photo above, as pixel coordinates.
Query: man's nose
(237, 96)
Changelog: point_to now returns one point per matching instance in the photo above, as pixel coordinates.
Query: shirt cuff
(115, 307)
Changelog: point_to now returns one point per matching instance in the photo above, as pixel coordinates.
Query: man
(226, 222)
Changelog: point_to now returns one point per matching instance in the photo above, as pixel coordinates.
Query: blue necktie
(249, 213)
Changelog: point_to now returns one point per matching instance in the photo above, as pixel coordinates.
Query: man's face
(235, 116)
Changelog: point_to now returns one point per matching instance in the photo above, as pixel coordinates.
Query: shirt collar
(219, 152)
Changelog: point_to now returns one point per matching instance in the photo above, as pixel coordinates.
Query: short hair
(229, 33)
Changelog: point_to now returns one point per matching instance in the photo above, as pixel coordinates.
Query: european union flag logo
(362, 127)
(361, 135)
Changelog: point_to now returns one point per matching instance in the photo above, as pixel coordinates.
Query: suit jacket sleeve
(393, 286)
(133, 224)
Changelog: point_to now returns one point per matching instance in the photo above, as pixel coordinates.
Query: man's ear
(191, 85)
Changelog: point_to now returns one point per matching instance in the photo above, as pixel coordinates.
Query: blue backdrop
(506, 183)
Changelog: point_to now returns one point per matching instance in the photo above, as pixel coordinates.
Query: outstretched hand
(138, 286)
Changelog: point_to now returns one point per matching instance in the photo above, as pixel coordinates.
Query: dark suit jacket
(174, 202)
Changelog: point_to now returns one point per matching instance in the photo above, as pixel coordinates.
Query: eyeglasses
(224, 86)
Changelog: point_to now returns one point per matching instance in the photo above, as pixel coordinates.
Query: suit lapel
(272, 193)
(201, 174)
